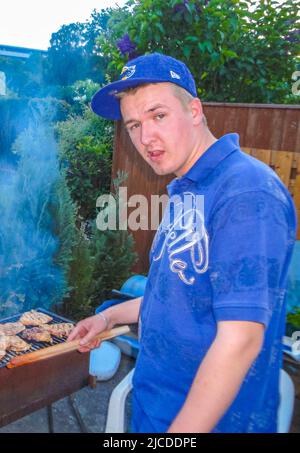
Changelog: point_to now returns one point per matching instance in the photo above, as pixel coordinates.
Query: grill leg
(92, 381)
(50, 419)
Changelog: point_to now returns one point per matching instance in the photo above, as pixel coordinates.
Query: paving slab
(37, 422)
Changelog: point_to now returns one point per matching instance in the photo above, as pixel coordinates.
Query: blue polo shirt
(224, 259)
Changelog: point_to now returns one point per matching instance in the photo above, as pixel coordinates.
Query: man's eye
(160, 116)
(134, 126)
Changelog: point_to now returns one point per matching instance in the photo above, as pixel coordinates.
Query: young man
(213, 312)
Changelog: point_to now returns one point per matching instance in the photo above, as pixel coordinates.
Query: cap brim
(105, 104)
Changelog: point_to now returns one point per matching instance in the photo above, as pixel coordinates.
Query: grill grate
(35, 345)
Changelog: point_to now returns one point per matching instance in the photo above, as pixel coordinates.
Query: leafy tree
(72, 255)
(72, 54)
(77, 302)
(66, 54)
(95, 262)
(113, 257)
(293, 318)
(238, 51)
(63, 211)
(86, 152)
(78, 96)
(113, 254)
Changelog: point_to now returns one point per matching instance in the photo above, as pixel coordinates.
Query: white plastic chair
(286, 405)
(115, 422)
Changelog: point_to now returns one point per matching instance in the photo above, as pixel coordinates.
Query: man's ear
(197, 111)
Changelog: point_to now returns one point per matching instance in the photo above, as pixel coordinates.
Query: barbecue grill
(30, 387)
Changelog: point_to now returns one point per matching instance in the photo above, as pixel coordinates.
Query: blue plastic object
(104, 361)
(135, 285)
(132, 288)
(120, 295)
(128, 345)
(109, 303)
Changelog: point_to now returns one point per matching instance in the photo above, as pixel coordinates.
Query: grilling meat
(37, 334)
(4, 342)
(16, 344)
(62, 329)
(11, 328)
(34, 318)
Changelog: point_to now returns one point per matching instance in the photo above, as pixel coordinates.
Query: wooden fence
(270, 133)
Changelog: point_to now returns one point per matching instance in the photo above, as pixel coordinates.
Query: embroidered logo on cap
(174, 75)
(128, 71)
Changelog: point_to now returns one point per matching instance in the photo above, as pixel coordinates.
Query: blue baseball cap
(151, 68)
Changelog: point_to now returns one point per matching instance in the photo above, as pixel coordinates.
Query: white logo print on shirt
(186, 233)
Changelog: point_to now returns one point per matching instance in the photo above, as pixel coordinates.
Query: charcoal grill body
(30, 387)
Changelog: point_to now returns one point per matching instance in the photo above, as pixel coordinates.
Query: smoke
(29, 277)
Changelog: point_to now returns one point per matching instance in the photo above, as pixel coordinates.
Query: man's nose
(147, 134)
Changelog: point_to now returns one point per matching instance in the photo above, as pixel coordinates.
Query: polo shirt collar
(209, 160)
(206, 163)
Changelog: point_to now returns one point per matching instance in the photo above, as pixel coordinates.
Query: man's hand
(123, 313)
(87, 329)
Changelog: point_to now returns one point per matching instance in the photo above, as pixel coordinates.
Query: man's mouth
(155, 155)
